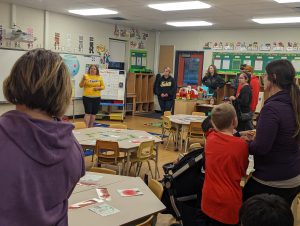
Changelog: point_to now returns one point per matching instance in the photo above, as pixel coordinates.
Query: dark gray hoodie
(40, 164)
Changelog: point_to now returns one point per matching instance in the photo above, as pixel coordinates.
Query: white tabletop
(127, 139)
(96, 180)
(186, 119)
(131, 208)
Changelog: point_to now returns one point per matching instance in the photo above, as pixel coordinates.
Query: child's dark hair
(206, 124)
(266, 210)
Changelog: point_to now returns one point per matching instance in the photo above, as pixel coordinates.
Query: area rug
(154, 115)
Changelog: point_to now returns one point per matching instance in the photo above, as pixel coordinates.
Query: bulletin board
(230, 62)
(138, 60)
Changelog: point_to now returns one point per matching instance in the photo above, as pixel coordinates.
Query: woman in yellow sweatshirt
(92, 84)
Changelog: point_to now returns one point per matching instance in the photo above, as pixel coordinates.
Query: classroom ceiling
(224, 14)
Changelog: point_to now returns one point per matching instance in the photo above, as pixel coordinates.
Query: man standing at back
(165, 88)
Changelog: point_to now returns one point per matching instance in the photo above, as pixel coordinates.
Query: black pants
(165, 105)
(253, 187)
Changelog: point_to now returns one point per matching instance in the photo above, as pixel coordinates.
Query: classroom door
(188, 68)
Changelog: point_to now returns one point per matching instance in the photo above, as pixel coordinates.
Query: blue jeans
(165, 105)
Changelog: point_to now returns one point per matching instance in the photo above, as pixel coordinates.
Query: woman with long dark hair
(276, 145)
(242, 101)
(213, 80)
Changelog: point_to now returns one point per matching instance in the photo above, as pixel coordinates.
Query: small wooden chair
(143, 154)
(194, 131)
(167, 127)
(118, 126)
(107, 152)
(198, 113)
(167, 113)
(79, 125)
(102, 170)
(156, 187)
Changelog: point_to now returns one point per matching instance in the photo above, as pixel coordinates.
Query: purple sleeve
(266, 131)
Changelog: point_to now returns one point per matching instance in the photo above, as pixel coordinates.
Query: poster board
(114, 81)
(229, 62)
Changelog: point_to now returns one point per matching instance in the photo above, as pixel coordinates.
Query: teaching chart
(231, 61)
(114, 81)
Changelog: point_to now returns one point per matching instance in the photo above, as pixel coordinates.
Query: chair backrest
(147, 222)
(79, 125)
(166, 123)
(118, 126)
(195, 128)
(107, 149)
(156, 187)
(194, 146)
(198, 113)
(102, 170)
(167, 113)
(145, 149)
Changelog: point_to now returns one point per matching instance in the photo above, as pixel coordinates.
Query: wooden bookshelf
(141, 84)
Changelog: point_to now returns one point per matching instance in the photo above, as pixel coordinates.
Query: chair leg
(169, 137)
(150, 169)
(130, 168)
(186, 144)
(138, 168)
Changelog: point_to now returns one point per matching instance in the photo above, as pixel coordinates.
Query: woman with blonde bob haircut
(40, 159)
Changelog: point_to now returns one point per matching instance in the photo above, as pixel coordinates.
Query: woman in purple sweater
(276, 145)
(40, 159)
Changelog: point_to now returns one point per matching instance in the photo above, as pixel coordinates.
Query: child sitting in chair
(226, 161)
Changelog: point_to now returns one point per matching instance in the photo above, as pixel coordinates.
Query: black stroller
(183, 184)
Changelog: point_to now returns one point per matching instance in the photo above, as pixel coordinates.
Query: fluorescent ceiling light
(286, 1)
(173, 6)
(279, 20)
(189, 23)
(93, 12)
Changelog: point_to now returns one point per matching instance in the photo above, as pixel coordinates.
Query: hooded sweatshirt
(276, 152)
(40, 164)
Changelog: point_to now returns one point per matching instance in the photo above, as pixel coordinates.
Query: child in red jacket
(226, 159)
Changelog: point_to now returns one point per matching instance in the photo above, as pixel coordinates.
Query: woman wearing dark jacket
(242, 101)
(276, 145)
(212, 80)
(165, 89)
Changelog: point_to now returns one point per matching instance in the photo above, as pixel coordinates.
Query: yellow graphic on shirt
(92, 81)
(165, 84)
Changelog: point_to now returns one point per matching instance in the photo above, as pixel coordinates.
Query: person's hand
(162, 95)
(232, 98)
(248, 135)
(97, 88)
(166, 95)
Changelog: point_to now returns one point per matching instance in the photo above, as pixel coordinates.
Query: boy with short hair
(266, 210)
(226, 159)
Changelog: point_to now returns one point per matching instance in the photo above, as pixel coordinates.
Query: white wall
(64, 24)
(195, 40)
(4, 14)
